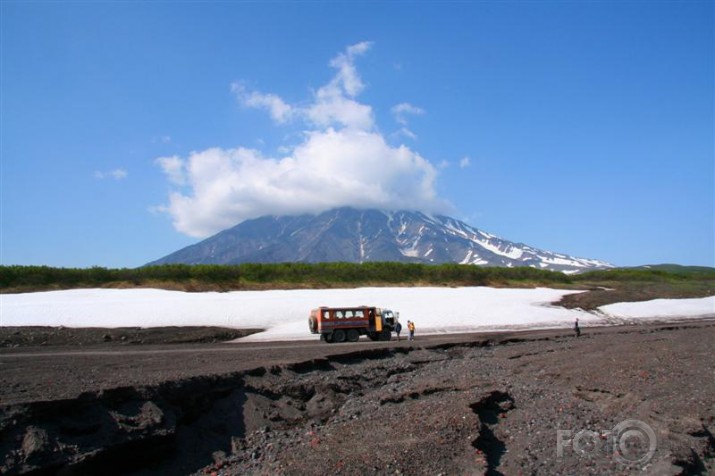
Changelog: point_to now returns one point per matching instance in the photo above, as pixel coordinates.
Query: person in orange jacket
(411, 328)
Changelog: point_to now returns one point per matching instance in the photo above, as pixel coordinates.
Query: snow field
(662, 308)
(284, 314)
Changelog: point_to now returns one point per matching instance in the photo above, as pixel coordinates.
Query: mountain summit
(347, 234)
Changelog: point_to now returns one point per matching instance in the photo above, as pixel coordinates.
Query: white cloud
(404, 131)
(333, 108)
(401, 110)
(342, 160)
(173, 168)
(279, 110)
(116, 174)
(333, 104)
(347, 75)
(358, 48)
(464, 162)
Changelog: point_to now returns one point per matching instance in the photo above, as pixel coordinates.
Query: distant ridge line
(353, 235)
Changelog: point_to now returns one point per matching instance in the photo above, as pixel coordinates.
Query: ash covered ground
(465, 404)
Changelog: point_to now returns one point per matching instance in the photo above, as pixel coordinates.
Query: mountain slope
(347, 234)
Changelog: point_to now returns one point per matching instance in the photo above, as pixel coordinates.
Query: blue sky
(131, 129)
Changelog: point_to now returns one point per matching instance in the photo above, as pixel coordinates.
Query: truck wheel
(385, 335)
(339, 335)
(353, 335)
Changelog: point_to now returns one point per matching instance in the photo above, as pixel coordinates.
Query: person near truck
(398, 329)
(411, 329)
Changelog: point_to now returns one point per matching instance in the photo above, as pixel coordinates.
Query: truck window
(339, 314)
(348, 314)
(359, 314)
(326, 315)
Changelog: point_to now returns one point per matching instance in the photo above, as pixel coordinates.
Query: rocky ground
(40, 336)
(620, 400)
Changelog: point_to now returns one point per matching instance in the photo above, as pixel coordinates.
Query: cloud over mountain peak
(340, 159)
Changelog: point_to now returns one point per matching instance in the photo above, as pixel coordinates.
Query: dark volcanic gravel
(501, 404)
(41, 336)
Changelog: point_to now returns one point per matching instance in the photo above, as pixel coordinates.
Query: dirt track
(466, 404)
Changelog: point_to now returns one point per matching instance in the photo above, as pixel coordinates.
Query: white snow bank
(284, 314)
(662, 308)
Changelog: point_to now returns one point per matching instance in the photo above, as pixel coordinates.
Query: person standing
(398, 329)
(411, 328)
(576, 328)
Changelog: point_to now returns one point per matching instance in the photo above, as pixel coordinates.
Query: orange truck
(340, 324)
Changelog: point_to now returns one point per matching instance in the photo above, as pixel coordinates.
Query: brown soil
(611, 293)
(464, 404)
